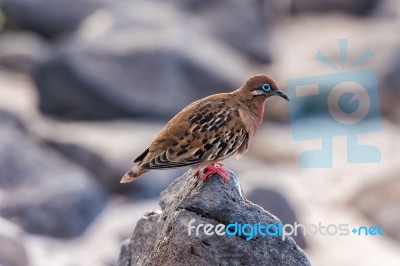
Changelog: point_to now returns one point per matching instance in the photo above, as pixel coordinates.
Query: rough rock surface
(161, 238)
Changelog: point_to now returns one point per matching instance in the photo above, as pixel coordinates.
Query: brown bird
(209, 131)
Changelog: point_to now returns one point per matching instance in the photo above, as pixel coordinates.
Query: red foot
(216, 168)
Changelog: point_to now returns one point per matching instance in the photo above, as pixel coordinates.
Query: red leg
(216, 168)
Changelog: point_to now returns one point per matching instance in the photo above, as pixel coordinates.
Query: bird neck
(253, 113)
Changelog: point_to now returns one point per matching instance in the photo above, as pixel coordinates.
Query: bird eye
(266, 87)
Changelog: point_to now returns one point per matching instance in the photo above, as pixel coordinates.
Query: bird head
(261, 87)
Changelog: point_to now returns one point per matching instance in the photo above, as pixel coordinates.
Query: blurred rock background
(85, 85)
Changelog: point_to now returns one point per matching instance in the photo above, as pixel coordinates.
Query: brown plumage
(209, 130)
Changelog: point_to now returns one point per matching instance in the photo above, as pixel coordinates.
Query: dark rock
(163, 239)
(359, 7)
(42, 191)
(278, 205)
(47, 17)
(381, 203)
(160, 63)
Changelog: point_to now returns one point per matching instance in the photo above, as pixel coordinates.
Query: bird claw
(215, 168)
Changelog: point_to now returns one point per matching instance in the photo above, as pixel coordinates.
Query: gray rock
(125, 254)
(276, 203)
(359, 7)
(163, 238)
(40, 190)
(47, 17)
(156, 65)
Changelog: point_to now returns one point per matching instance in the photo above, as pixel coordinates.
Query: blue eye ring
(266, 87)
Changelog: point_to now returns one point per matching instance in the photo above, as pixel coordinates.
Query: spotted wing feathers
(212, 131)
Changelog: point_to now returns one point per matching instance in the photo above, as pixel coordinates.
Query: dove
(208, 131)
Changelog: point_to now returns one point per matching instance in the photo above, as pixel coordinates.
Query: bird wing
(207, 130)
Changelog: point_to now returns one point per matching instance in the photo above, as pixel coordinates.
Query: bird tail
(132, 174)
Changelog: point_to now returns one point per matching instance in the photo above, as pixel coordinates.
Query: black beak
(282, 94)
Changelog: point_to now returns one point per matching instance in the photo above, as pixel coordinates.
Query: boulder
(157, 63)
(162, 238)
(40, 190)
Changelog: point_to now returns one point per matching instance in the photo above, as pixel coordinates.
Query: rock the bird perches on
(162, 238)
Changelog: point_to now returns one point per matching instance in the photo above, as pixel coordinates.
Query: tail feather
(132, 174)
